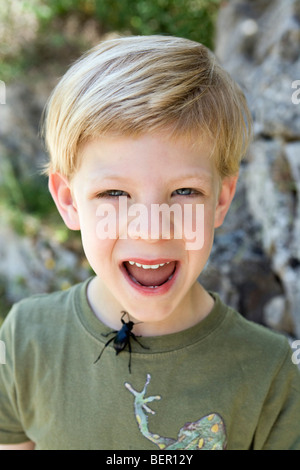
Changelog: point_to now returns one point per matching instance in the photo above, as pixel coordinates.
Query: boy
(136, 125)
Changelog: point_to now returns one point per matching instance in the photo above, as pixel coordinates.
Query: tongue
(151, 277)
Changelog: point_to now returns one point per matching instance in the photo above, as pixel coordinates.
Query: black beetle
(122, 338)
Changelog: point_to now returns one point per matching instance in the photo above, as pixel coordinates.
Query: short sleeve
(279, 424)
(11, 430)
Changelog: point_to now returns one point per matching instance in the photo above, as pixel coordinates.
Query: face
(144, 266)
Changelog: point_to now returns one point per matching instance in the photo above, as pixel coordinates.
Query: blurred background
(255, 263)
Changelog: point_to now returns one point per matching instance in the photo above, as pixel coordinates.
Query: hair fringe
(144, 84)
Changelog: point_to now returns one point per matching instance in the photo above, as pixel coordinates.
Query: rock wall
(258, 42)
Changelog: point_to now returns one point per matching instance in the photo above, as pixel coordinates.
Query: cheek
(198, 226)
(98, 253)
(209, 223)
(95, 245)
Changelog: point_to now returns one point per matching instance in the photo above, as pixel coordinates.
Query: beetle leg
(135, 339)
(106, 344)
(124, 313)
(129, 363)
(109, 333)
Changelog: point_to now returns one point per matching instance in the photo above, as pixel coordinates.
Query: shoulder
(39, 326)
(251, 331)
(41, 311)
(252, 344)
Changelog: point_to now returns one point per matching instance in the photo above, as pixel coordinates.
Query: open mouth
(150, 276)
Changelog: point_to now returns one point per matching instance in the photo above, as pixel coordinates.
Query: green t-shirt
(224, 383)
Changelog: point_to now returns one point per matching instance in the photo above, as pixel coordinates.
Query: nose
(145, 223)
(151, 222)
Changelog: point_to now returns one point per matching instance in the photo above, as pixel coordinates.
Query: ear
(227, 192)
(61, 192)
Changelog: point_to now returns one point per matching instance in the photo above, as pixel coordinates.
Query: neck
(193, 308)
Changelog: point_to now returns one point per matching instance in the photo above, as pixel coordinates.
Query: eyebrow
(205, 177)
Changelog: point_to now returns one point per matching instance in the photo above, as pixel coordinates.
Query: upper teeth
(148, 266)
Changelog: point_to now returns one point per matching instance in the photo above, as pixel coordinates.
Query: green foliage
(193, 19)
(28, 194)
(5, 305)
(48, 39)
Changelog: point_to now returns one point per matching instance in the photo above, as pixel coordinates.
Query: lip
(159, 290)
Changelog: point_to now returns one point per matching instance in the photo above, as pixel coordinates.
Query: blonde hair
(144, 84)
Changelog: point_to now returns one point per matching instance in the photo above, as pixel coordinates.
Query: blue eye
(112, 193)
(185, 192)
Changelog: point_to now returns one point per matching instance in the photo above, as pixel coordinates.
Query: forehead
(121, 155)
